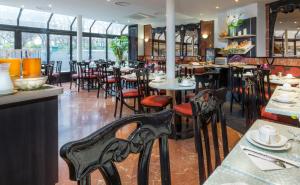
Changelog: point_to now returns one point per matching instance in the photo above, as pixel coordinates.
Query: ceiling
(136, 11)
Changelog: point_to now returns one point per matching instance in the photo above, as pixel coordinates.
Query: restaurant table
(238, 165)
(133, 76)
(283, 80)
(123, 69)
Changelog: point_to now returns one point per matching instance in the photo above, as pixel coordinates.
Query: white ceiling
(187, 11)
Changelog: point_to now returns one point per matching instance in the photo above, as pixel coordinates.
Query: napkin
(262, 161)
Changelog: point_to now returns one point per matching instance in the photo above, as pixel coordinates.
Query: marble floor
(82, 113)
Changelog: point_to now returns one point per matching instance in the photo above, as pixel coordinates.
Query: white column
(79, 38)
(170, 32)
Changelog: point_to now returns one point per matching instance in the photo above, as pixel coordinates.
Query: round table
(283, 80)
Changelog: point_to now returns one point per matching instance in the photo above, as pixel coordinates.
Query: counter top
(21, 96)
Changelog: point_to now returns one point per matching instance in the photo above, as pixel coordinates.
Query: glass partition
(86, 24)
(33, 18)
(7, 39)
(98, 48)
(61, 22)
(110, 55)
(85, 48)
(35, 41)
(125, 31)
(115, 29)
(60, 50)
(9, 15)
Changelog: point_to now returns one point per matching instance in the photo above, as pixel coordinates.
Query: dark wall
(133, 42)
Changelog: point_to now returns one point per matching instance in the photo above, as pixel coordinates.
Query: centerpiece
(119, 46)
(233, 22)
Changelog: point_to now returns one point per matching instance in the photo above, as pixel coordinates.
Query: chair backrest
(117, 76)
(83, 69)
(143, 81)
(206, 106)
(264, 86)
(102, 74)
(73, 67)
(209, 80)
(58, 67)
(102, 149)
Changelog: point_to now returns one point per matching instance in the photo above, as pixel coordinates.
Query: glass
(85, 48)
(86, 24)
(31, 67)
(7, 40)
(33, 18)
(98, 48)
(125, 31)
(6, 86)
(35, 41)
(60, 50)
(15, 66)
(115, 29)
(61, 22)
(100, 27)
(9, 15)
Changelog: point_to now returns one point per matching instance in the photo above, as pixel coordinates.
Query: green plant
(119, 46)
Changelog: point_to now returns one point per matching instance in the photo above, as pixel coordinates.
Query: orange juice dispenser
(13, 57)
(31, 64)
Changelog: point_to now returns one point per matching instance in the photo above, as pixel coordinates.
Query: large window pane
(86, 24)
(61, 22)
(9, 15)
(125, 32)
(34, 18)
(35, 41)
(115, 29)
(110, 54)
(60, 50)
(98, 48)
(7, 40)
(100, 27)
(85, 48)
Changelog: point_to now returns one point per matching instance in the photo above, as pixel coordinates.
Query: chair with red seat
(156, 102)
(57, 73)
(73, 73)
(86, 74)
(124, 94)
(104, 80)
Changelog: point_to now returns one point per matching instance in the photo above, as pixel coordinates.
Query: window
(100, 27)
(110, 53)
(98, 48)
(34, 18)
(60, 50)
(7, 40)
(115, 29)
(61, 22)
(86, 24)
(35, 41)
(9, 15)
(125, 32)
(85, 48)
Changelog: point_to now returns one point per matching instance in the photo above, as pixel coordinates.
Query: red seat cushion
(156, 101)
(184, 109)
(74, 76)
(111, 80)
(277, 118)
(130, 93)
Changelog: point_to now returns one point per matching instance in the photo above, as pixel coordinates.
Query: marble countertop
(21, 96)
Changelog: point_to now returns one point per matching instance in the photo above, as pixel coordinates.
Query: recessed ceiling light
(128, 21)
(295, 22)
(22, 6)
(280, 22)
(108, 0)
(50, 5)
(217, 7)
(236, 1)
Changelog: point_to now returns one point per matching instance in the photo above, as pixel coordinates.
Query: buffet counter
(29, 135)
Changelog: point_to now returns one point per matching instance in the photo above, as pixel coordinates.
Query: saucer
(282, 148)
(9, 93)
(283, 100)
(282, 140)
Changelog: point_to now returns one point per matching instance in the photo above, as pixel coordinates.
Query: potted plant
(119, 46)
(234, 21)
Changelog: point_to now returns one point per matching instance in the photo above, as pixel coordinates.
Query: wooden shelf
(245, 52)
(239, 37)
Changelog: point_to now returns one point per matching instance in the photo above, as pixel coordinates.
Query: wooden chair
(207, 106)
(49, 69)
(124, 94)
(104, 79)
(155, 102)
(73, 73)
(57, 73)
(86, 74)
(102, 149)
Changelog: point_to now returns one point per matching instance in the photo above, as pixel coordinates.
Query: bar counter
(29, 137)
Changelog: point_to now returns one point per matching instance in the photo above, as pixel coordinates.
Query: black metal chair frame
(102, 149)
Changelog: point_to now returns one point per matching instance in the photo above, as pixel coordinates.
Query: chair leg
(231, 102)
(78, 86)
(116, 106)
(121, 108)
(98, 92)
(71, 83)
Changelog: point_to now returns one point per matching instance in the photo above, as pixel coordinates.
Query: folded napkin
(265, 162)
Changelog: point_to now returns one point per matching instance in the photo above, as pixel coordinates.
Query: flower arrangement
(234, 21)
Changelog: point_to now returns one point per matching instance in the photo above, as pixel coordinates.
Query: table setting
(280, 80)
(269, 153)
(174, 84)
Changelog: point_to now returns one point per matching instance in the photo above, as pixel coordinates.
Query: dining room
(108, 92)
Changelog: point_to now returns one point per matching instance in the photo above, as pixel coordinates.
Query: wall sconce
(146, 39)
(204, 36)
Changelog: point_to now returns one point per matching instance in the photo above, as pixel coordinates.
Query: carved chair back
(207, 106)
(102, 149)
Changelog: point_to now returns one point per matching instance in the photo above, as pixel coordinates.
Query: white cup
(157, 78)
(268, 134)
(286, 86)
(289, 76)
(185, 81)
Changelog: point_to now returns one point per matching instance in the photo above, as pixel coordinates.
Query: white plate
(283, 148)
(287, 89)
(186, 85)
(282, 140)
(10, 93)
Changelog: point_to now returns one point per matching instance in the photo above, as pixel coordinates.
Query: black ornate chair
(57, 73)
(102, 149)
(73, 73)
(207, 107)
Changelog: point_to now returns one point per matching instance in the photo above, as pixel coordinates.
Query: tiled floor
(82, 113)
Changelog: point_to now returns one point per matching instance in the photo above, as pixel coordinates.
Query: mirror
(287, 35)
